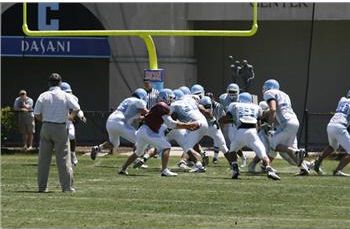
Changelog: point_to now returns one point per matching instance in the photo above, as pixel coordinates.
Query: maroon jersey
(154, 117)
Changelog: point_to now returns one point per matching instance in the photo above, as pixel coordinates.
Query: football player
(119, 123)
(245, 115)
(265, 133)
(231, 96)
(149, 133)
(338, 135)
(213, 112)
(70, 124)
(281, 112)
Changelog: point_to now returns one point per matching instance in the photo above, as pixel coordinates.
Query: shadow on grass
(32, 191)
(32, 164)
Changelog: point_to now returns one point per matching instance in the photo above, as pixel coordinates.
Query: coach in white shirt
(52, 109)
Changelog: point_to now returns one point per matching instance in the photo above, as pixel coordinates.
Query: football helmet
(66, 87)
(197, 89)
(178, 94)
(271, 84)
(140, 93)
(166, 95)
(245, 97)
(185, 90)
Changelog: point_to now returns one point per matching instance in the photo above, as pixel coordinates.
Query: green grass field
(144, 199)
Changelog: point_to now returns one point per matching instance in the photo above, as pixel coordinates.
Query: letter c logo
(42, 16)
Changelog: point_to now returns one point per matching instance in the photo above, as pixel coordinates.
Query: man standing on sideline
(24, 105)
(52, 109)
(152, 93)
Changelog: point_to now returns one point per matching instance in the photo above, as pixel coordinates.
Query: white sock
(216, 155)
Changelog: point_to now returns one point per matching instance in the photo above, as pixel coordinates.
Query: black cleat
(94, 151)
(235, 171)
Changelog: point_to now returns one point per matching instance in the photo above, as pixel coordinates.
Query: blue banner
(73, 47)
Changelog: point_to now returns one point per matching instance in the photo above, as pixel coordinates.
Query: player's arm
(226, 118)
(172, 124)
(74, 105)
(206, 112)
(271, 114)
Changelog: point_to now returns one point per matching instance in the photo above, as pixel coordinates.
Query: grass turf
(144, 199)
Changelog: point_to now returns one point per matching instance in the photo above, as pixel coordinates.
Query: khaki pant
(54, 137)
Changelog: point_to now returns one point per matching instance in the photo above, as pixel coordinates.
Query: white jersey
(186, 110)
(129, 109)
(244, 113)
(284, 111)
(342, 115)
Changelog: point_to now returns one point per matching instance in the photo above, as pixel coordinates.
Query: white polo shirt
(54, 105)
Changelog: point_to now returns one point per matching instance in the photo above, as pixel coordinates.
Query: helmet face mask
(232, 91)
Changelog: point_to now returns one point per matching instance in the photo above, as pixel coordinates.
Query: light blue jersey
(225, 101)
(186, 110)
(130, 108)
(284, 111)
(342, 115)
(245, 113)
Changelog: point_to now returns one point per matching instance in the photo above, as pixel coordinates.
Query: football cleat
(340, 173)
(273, 175)
(303, 172)
(123, 172)
(215, 160)
(317, 167)
(167, 173)
(270, 169)
(235, 171)
(198, 170)
(138, 163)
(94, 152)
(182, 165)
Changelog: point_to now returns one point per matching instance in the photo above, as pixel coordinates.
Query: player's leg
(332, 133)
(344, 140)
(192, 138)
(219, 142)
(71, 137)
(236, 144)
(140, 146)
(163, 146)
(113, 127)
(253, 141)
(283, 140)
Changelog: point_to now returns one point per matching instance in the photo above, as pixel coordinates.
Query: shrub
(8, 122)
